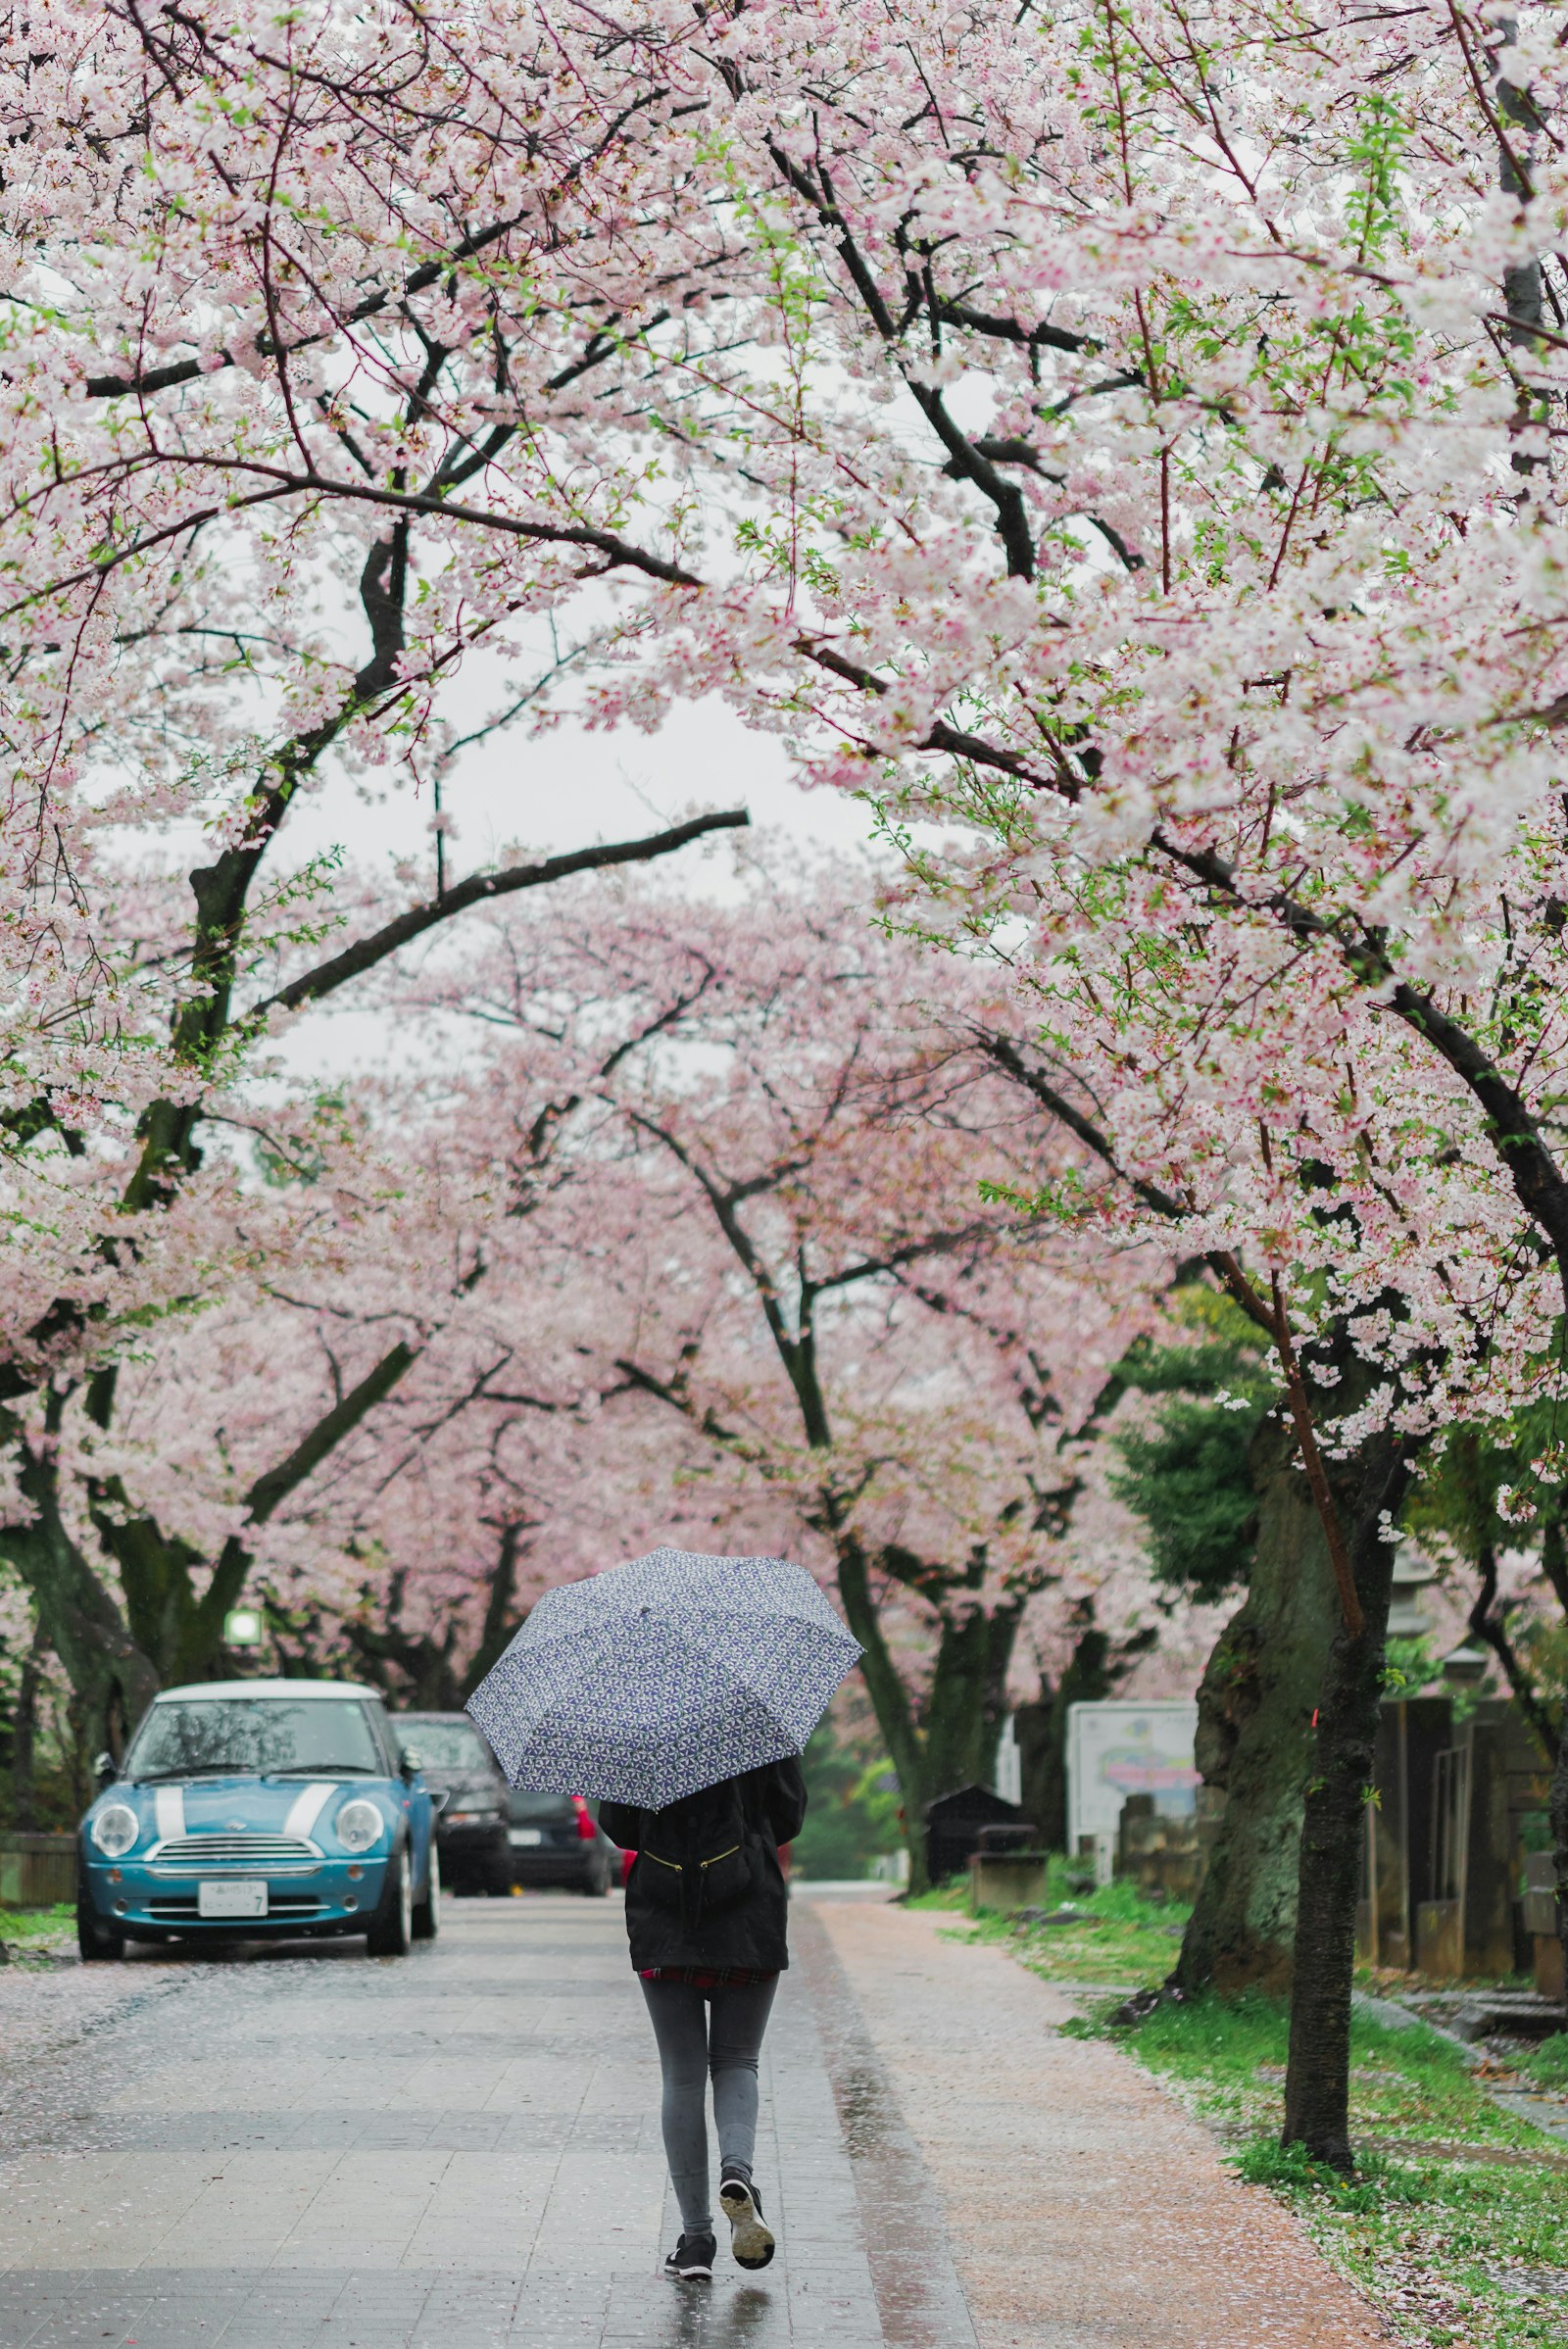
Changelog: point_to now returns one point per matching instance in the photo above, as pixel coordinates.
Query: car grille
(250, 1851)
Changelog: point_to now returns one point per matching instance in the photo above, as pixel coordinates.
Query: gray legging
(689, 2049)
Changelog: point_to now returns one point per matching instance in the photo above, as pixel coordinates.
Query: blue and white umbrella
(654, 1679)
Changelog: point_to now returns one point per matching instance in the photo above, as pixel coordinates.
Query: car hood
(240, 1804)
(467, 1786)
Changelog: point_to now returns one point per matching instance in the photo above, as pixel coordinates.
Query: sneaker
(750, 2237)
(692, 2256)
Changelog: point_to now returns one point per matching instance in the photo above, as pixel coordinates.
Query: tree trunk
(1317, 2086)
(1042, 1767)
(965, 1702)
(1254, 1734)
(501, 1617)
(890, 1701)
(1554, 1566)
(1559, 1837)
(24, 1737)
(113, 1679)
(952, 1739)
(81, 1744)
(1094, 1671)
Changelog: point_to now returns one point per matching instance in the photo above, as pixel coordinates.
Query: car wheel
(391, 1931)
(499, 1886)
(95, 1940)
(599, 1883)
(426, 1916)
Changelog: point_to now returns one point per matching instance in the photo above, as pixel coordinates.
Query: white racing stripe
(307, 1806)
(170, 1805)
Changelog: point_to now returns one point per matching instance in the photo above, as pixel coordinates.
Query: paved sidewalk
(286, 2150)
(1086, 2210)
(444, 2152)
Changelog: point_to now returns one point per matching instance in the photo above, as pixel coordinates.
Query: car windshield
(535, 1810)
(189, 1737)
(445, 1745)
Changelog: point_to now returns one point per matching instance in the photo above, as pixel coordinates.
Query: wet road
(282, 2149)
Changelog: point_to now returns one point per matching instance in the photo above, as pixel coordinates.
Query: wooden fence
(36, 1871)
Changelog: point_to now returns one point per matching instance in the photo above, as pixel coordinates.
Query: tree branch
(185, 370)
(274, 1485)
(1515, 1133)
(1007, 1057)
(1271, 1318)
(1485, 1622)
(481, 890)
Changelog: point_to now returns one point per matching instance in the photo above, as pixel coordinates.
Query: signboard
(1121, 1748)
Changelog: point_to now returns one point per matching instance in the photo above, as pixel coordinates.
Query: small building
(952, 1825)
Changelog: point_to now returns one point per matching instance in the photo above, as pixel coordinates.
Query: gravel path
(1085, 2209)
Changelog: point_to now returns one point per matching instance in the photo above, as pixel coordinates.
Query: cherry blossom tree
(1131, 437)
(812, 1288)
(134, 1436)
(181, 681)
(673, 1213)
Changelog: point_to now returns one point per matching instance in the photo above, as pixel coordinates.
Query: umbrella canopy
(656, 1679)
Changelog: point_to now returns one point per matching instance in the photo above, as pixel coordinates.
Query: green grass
(1116, 1937)
(1546, 2064)
(33, 1929)
(951, 1895)
(1430, 2240)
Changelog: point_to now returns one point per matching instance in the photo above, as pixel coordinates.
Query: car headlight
(357, 1826)
(114, 1830)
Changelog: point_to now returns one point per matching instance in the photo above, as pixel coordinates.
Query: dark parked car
(461, 1771)
(555, 1840)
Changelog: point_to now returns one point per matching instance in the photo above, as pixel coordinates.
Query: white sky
(573, 787)
(566, 789)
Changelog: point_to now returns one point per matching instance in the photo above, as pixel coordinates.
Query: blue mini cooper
(251, 1807)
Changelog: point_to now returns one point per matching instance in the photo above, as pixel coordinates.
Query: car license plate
(525, 1834)
(245, 1898)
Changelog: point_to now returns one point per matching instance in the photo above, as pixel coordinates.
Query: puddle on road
(863, 2102)
(703, 2319)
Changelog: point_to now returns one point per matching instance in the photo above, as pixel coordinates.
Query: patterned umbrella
(654, 1679)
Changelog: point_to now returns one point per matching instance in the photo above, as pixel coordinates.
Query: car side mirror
(440, 1796)
(105, 1769)
(411, 1762)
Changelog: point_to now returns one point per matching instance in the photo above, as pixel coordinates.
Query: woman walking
(707, 1915)
(670, 1688)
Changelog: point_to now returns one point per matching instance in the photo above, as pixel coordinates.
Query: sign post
(1121, 1748)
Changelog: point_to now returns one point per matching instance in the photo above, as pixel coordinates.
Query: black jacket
(752, 1931)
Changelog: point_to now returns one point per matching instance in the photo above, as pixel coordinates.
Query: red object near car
(555, 1840)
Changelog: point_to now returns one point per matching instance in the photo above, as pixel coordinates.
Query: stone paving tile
(458, 2151)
